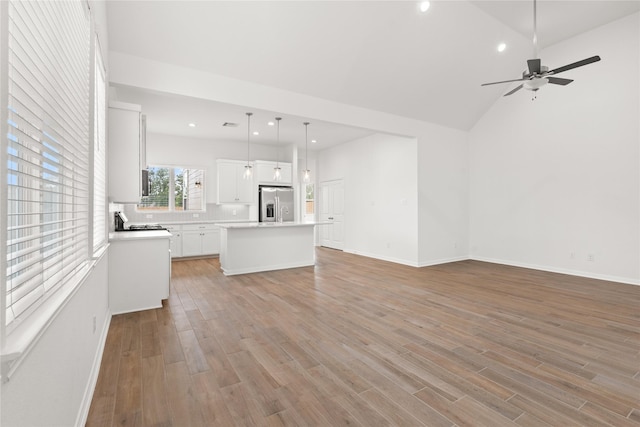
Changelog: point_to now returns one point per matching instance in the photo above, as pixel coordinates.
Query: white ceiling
(380, 55)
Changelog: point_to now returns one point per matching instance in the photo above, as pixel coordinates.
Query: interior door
(332, 211)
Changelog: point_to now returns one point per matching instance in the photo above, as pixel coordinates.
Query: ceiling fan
(537, 74)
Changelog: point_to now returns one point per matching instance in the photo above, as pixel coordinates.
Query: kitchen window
(174, 189)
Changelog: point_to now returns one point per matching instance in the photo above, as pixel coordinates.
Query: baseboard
(579, 273)
(382, 257)
(443, 261)
(83, 414)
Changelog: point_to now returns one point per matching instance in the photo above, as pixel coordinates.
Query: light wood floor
(356, 341)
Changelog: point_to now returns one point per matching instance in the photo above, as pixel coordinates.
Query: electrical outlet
(233, 212)
(591, 257)
(195, 215)
(149, 216)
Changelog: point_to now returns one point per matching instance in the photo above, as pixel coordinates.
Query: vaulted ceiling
(381, 55)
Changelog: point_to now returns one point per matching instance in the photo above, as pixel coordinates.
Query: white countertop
(269, 224)
(138, 235)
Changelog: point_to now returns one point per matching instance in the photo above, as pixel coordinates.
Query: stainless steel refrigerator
(276, 203)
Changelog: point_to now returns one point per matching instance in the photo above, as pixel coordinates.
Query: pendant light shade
(307, 172)
(277, 175)
(247, 168)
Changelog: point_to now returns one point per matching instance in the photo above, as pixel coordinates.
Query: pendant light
(277, 176)
(307, 172)
(247, 168)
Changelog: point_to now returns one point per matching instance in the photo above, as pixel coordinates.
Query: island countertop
(255, 224)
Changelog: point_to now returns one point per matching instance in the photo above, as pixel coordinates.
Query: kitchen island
(263, 246)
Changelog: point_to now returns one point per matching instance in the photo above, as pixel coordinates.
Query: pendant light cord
(278, 144)
(248, 135)
(306, 147)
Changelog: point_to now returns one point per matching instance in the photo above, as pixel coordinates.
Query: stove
(144, 227)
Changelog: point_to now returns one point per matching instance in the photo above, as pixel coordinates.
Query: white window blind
(47, 150)
(99, 155)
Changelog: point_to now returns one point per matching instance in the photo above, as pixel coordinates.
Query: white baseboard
(382, 257)
(626, 280)
(83, 414)
(443, 261)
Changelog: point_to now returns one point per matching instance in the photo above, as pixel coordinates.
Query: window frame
(171, 202)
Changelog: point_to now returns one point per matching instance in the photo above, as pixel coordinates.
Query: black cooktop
(143, 227)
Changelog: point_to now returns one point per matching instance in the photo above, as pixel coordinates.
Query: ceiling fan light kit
(538, 75)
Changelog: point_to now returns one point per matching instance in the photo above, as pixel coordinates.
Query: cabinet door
(245, 188)
(176, 244)
(125, 183)
(227, 179)
(211, 242)
(191, 243)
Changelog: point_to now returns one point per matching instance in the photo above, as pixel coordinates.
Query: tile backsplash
(213, 212)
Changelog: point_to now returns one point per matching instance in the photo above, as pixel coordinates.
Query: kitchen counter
(251, 247)
(139, 270)
(256, 224)
(138, 235)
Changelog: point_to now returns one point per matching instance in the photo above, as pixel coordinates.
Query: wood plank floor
(357, 341)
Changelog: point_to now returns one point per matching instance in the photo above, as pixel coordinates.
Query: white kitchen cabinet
(232, 187)
(264, 172)
(139, 270)
(175, 242)
(200, 239)
(127, 152)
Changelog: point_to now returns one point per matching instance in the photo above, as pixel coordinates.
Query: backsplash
(213, 212)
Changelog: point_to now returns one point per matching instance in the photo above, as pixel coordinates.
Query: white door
(332, 210)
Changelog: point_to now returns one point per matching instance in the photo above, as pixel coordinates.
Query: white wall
(53, 385)
(556, 180)
(443, 185)
(381, 195)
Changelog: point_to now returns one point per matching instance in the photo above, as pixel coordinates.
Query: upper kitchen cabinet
(127, 152)
(265, 170)
(232, 186)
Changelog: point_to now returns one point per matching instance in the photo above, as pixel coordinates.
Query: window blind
(99, 156)
(47, 150)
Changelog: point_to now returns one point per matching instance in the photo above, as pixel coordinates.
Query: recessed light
(271, 123)
(313, 141)
(424, 6)
(256, 132)
(192, 125)
(502, 47)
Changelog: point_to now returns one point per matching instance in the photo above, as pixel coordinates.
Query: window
(174, 189)
(46, 142)
(99, 154)
(309, 200)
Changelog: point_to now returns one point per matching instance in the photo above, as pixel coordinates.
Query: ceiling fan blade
(575, 65)
(559, 81)
(513, 90)
(504, 81)
(534, 66)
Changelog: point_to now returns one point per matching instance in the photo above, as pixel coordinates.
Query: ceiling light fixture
(192, 125)
(247, 168)
(307, 172)
(256, 133)
(270, 123)
(276, 171)
(424, 6)
(502, 47)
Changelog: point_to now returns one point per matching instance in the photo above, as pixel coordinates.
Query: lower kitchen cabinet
(139, 270)
(200, 239)
(175, 242)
